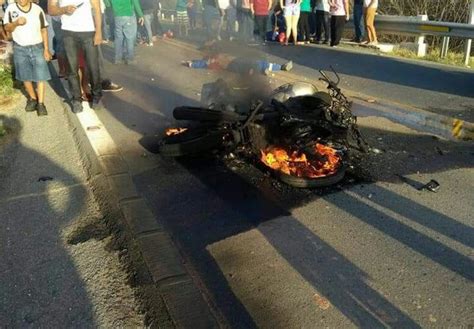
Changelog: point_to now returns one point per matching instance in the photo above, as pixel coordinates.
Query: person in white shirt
(323, 19)
(81, 23)
(339, 10)
(370, 9)
(27, 23)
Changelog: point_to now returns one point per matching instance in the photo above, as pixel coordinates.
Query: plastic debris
(45, 178)
(432, 186)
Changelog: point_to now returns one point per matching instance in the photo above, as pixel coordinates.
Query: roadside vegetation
(6, 82)
(3, 131)
(453, 58)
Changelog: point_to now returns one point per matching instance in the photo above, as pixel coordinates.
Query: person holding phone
(81, 24)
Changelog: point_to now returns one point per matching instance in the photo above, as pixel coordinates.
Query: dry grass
(452, 58)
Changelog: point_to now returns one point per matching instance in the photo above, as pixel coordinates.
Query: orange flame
(174, 131)
(297, 164)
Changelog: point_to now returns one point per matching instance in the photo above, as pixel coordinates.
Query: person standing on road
(148, 7)
(358, 15)
(192, 14)
(82, 29)
(224, 5)
(182, 21)
(209, 16)
(27, 23)
(260, 9)
(370, 9)
(125, 25)
(339, 10)
(305, 9)
(246, 22)
(292, 15)
(323, 18)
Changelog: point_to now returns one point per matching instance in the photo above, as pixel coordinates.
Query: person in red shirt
(261, 8)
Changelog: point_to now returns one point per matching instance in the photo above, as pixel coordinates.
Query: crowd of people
(72, 31)
(295, 21)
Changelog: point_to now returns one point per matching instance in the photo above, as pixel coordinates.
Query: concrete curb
(110, 176)
(418, 119)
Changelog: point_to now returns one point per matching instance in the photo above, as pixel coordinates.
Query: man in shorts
(27, 23)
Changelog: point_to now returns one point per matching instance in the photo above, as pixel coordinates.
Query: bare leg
(288, 28)
(294, 28)
(40, 91)
(29, 89)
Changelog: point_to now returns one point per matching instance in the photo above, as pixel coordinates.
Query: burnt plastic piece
(45, 178)
(432, 186)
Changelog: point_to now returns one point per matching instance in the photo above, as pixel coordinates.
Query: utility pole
(467, 54)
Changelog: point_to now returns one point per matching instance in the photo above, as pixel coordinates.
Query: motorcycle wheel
(300, 182)
(203, 114)
(191, 142)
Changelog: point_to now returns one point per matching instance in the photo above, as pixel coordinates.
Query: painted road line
(184, 300)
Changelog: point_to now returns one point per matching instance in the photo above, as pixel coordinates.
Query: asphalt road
(369, 253)
(433, 87)
(58, 268)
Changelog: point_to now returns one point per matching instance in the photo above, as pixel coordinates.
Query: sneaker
(111, 87)
(267, 72)
(41, 110)
(150, 44)
(97, 104)
(76, 107)
(287, 67)
(31, 105)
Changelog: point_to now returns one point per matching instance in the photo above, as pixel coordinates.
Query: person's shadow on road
(39, 283)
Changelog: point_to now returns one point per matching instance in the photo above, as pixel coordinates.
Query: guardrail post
(420, 41)
(172, 17)
(467, 52)
(445, 47)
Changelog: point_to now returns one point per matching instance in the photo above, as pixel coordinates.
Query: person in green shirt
(303, 23)
(125, 22)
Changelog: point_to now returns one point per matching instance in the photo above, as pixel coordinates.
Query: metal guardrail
(417, 26)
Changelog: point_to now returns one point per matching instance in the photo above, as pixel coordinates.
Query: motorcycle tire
(203, 114)
(300, 182)
(191, 142)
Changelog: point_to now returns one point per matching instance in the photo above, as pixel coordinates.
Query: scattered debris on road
(45, 178)
(432, 186)
(322, 302)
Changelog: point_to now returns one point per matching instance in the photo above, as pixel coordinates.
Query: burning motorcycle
(299, 133)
